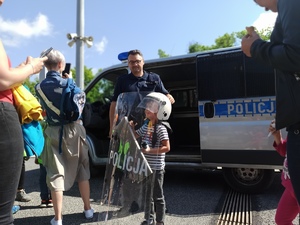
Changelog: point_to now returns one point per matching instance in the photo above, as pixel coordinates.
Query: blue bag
(72, 103)
(71, 106)
(33, 138)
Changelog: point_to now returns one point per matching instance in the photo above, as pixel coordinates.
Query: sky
(31, 26)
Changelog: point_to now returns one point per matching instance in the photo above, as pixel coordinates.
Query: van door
(236, 105)
(184, 120)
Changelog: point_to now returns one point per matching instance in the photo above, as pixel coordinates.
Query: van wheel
(248, 180)
(94, 170)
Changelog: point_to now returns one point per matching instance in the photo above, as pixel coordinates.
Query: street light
(73, 37)
(80, 39)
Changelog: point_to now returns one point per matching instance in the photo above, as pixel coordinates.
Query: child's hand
(145, 147)
(276, 133)
(131, 123)
(272, 128)
(145, 150)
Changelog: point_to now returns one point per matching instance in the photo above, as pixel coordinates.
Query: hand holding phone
(46, 52)
(66, 70)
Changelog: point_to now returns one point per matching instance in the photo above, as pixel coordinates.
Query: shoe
(55, 222)
(89, 213)
(15, 209)
(150, 222)
(134, 207)
(43, 204)
(122, 212)
(49, 203)
(21, 196)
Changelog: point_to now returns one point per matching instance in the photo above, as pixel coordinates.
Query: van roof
(153, 65)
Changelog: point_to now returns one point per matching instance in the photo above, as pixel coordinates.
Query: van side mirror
(209, 110)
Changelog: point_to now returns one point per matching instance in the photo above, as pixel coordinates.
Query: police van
(225, 102)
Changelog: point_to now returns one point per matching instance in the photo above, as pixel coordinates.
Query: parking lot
(193, 197)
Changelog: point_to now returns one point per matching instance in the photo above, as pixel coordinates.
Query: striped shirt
(156, 162)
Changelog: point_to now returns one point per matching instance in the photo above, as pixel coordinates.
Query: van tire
(94, 170)
(248, 180)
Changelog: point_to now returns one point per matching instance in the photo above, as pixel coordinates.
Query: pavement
(189, 211)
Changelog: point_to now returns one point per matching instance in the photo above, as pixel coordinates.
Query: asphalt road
(193, 198)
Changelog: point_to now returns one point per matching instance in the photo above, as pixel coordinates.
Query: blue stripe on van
(249, 107)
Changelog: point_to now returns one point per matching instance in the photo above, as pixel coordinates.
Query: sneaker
(55, 222)
(49, 203)
(43, 204)
(21, 196)
(89, 213)
(15, 209)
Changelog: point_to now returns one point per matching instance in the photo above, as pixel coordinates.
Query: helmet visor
(150, 104)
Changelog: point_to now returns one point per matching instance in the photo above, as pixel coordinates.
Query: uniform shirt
(131, 83)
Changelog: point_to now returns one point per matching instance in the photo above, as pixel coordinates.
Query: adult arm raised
(10, 77)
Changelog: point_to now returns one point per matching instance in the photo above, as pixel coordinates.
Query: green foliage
(101, 90)
(162, 54)
(264, 34)
(196, 47)
(88, 75)
(229, 40)
(31, 84)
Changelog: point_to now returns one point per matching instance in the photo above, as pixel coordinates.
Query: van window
(103, 89)
(185, 99)
(233, 75)
(260, 79)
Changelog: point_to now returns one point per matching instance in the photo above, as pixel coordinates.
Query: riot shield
(124, 192)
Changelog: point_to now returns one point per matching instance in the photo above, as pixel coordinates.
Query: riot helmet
(158, 103)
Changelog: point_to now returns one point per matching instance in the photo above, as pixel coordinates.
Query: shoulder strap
(62, 101)
(167, 125)
(46, 100)
(154, 136)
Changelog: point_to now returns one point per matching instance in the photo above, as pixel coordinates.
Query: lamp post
(79, 39)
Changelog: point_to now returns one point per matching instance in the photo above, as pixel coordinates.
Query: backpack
(72, 103)
(71, 106)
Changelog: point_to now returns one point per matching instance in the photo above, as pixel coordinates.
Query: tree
(102, 90)
(31, 84)
(162, 54)
(264, 34)
(229, 40)
(88, 75)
